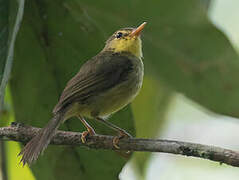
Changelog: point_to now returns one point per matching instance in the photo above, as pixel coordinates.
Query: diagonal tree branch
(22, 133)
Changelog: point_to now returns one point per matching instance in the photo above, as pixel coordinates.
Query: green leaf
(193, 57)
(182, 50)
(53, 42)
(3, 34)
(150, 109)
(7, 42)
(206, 3)
(10, 49)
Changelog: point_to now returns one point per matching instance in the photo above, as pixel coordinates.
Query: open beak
(137, 31)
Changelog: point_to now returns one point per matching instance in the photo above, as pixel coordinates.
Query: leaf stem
(9, 60)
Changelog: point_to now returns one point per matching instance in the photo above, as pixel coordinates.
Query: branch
(22, 133)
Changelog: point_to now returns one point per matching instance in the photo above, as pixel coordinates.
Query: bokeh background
(191, 122)
(190, 92)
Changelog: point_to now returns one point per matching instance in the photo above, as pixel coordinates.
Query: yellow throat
(126, 40)
(132, 45)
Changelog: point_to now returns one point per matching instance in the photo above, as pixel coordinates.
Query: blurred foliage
(4, 6)
(150, 110)
(193, 57)
(47, 55)
(206, 3)
(183, 52)
(15, 170)
(7, 112)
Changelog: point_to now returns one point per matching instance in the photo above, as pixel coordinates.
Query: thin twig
(6, 75)
(23, 133)
(9, 60)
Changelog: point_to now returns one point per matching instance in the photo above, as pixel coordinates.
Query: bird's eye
(119, 35)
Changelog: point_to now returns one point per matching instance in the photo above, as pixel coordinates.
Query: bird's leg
(122, 132)
(90, 130)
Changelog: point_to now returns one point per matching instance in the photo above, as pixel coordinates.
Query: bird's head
(126, 40)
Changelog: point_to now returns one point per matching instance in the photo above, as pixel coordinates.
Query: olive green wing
(96, 76)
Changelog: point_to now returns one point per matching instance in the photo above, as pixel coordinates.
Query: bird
(104, 84)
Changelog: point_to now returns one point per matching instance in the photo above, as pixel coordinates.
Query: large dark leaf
(206, 3)
(4, 31)
(51, 46)
(194, 58)
(3, 34)
(150, 109)
(181, 48)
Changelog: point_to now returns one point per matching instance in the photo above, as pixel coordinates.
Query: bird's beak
(137, 31)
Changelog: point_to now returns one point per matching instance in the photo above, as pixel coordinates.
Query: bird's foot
(89, 132)
(122, 135)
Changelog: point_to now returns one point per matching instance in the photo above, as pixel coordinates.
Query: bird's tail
(40, 142)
